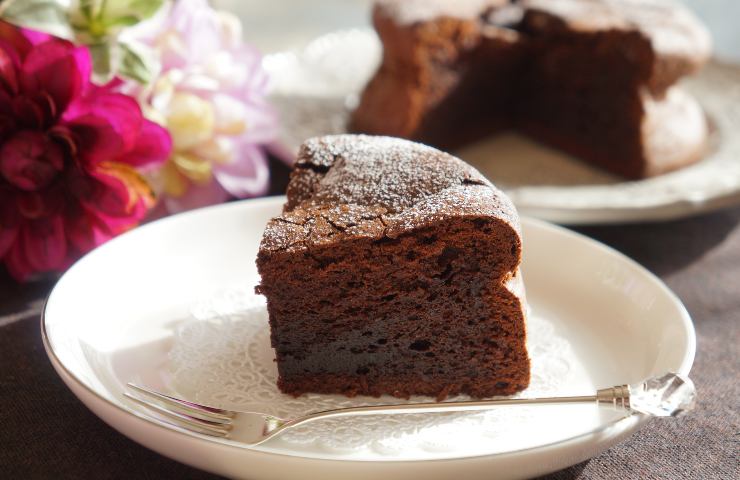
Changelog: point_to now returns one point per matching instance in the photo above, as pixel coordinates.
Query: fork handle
(617, 397)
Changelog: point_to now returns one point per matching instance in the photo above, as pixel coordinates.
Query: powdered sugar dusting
(393, 173)
(673, 127)
(412, 11)
(358, 185)
(672, 28)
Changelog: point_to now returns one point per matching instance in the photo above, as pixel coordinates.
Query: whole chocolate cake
(393, 269)
(595, 78)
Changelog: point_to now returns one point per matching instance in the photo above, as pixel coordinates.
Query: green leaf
(94, 20)
(136, 63)
(102, 62)
(48, 16)
(88, 8)
(113, 10)
(126, 21)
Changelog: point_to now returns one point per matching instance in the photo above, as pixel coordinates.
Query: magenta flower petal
(9, 216)
(15, 261)
(7, 238)
(7, 117)
(30, 160)
(18, 38)
(53, 67)
(99, 137)
(45, 246)
(248, 176)
(110, 126)
(85, 232)
(8, 68)
(153, 143)
(113, 225)
(114, 202)
(84, 66)
(28, 113)
(120, 111)
(35, 37)
(110, 196)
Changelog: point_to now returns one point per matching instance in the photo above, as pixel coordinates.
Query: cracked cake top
(346, 186)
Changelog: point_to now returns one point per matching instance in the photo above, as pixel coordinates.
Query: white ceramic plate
(172, 305)
(316, 87)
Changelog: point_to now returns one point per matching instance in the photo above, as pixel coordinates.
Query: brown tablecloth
(45, 432)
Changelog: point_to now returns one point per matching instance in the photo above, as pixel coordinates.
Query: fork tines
(181, 413)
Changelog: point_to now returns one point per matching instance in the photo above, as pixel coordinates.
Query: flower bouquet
(115, 111)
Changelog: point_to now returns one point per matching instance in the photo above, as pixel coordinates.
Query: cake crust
(376, 187)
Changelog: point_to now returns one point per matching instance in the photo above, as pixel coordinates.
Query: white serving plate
(171, 305)
(317, 86)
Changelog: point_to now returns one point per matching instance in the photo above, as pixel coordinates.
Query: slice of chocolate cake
(393, 269)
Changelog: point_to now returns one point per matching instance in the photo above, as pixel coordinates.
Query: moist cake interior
(392, 327)
(587, 106)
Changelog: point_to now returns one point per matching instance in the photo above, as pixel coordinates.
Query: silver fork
(668, 395)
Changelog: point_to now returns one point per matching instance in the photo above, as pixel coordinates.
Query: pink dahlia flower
(210, 94)
(69, 154)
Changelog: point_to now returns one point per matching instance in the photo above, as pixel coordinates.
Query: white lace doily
(316, 87)
(222, 357)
